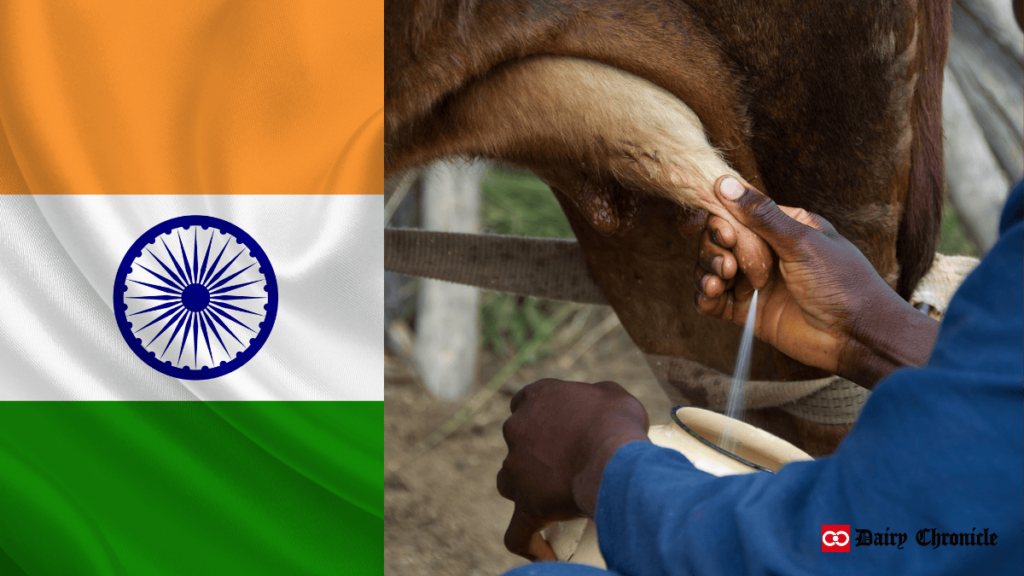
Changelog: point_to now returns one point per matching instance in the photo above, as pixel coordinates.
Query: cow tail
(922, 211)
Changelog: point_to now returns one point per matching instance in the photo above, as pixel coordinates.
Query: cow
(631, 110)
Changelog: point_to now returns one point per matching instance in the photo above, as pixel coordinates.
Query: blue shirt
(938, 447)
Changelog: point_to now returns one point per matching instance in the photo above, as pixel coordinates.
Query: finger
(709, 285)
(506, 485)
(625, 399)
(812, 219)
(698, 277)
(728, 308)
(824, 225)
(523, 537)
(508, 432)
(714, 258)
(722, 233)
(800, 215)
(518, 399)
(753, 256)
(611, 387)
(704, 304)
(540, 550)
(714, 286)
(761, 216)
(739, 301)
(714, 307)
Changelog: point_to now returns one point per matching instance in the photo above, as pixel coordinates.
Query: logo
(195, 297)
(835, 538)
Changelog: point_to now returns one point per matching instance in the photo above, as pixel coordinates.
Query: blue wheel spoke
(174, 261)
(223, 269)
(184, 336)
(173, 334)
(169, 322)
(224, 326)
(163, 279)
(227, 315)
(206, 336)
(195, 256)
(235, 287)
(207, 315)
(213, 297)
(195, 340)
(160, 288)
(157, 297)
(164, 315)
(181, 283)
(230, 278)
(216, 260)
(184, 257)
(206, 257)
(220, 305)
(160, 307)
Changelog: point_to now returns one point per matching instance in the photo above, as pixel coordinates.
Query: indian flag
(191, 281)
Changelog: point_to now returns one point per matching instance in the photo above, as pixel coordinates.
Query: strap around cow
(543, 267)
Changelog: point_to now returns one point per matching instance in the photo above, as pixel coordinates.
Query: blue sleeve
(939, 447)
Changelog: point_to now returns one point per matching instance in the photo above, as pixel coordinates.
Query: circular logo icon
(195, 297)
(831, 538)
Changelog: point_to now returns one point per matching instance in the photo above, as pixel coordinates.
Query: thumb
(523, 537)
(761, 215)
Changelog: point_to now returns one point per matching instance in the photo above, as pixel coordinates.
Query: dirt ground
(442, 512)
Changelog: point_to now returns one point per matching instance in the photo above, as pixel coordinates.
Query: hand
(824, 304)
(560, 437)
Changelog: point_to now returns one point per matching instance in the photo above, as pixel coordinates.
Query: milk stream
(734, 407)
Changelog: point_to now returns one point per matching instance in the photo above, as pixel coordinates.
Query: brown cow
(833, 107)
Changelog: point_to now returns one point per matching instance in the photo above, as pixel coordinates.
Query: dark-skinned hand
(560, 437)
(824, 304)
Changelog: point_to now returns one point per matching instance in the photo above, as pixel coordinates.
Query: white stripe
(59, 256)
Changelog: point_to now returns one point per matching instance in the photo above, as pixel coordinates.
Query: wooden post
(446, 320)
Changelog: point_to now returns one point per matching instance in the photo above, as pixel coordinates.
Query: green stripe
(191, 488)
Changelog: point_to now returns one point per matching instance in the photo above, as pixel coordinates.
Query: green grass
(519, 204)
(953, 239)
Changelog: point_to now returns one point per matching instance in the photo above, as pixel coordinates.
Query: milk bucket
(695, 434)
